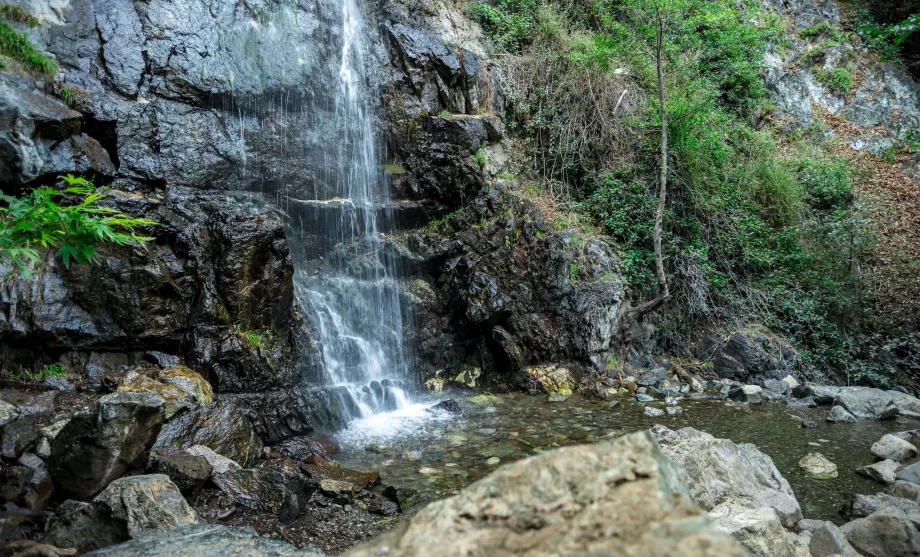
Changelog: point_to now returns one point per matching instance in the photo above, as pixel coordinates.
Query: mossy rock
(190, 382)
(176, 398)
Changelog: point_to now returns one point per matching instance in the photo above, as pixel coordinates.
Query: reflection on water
(437, 453)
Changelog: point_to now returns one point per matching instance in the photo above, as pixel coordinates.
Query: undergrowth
(17, 45)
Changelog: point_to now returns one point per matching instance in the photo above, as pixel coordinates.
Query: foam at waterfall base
(382, 428)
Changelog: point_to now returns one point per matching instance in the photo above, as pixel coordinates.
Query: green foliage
(838, 80)
(27, 375)
(17, 14)
(510, 23)
(70, 220)
(888, 39)
(66, 94)
(254, 339)
(822, 29)
(17, 45)
(481, 158)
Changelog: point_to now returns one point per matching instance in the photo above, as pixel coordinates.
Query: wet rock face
(557, 503)
(220, 427)
(277, 487)
(751, 356)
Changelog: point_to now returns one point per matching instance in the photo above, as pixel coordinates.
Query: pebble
(493, 461)
(644, 398)
(653, 412)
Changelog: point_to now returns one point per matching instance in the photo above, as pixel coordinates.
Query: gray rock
(744, 354)
(910, 473)
(758, 530)
(92, 450)
(817, 465)
(653, 412)
(205, 540)
(867, 404)
(884, 471)
(827, 540)
(552, 504)
(751, 394)
(653, 377)
(840, 415)
(905, 490)
(718, 470)
(220, 427)
(273, 486)
(129, 507)
(776, 385)
(189, 472)
(644, 398)
(907, 405)
(863, 505)
(219, 464)
(8, 412)
(893, 448)
(888, 532)
(808, 525)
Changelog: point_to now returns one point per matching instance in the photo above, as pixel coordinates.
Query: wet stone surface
(439, 453)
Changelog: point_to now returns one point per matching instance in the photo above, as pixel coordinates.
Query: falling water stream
(353, 300)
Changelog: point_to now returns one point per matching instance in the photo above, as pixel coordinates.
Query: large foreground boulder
(205, 540)
(129, 507)
(221, 427)
(616, 498)
(719, 470)
(94, 449)
(888, 532)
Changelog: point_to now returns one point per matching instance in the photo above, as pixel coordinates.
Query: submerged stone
(818, 466)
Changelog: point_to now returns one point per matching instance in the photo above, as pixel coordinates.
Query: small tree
(70, 220)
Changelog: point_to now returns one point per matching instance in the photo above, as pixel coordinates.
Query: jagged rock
(746, 353)
(189, 472)
(8, 412)
(884, 471)
(205, 540)
(718, 470)
(817, 465)
(176, 399)
(129, 507)
(905, 490)
(652, 377)
(893, 448)
(827, 540)
(190, 382)
(92, 450)
(555, 502)
(888, 532)
(302, 448)
(449, 405)
(758, 530)
(550, 379)
(220, 427)
(867, 404)
(277, 487)
(17, 436)
(862, 505)
(840, 415)
(219, 464)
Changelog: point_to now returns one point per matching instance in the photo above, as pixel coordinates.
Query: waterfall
(352, 294)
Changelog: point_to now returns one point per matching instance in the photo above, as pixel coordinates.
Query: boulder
(190, 382)
(8, 412)
(129, 507)
(892, 447)
(652, 377)
(867, 404)
(862, 505)
(910, 473)
(94, 449)
(176, 399)
(827, 540)
(751, 394)
(189, 472)
(907, 405)
(274, 486)
(817, 465)
(905, 490)
(884, 471)
(219, 464)
(758, 530)
(840, 415)
(653, 412)
(621, 497)
(205, 540)
(888, 532)
(220, 427)
(719, 470)
(745, 353)
(550, 379)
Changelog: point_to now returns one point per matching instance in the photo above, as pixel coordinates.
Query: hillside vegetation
(764, 227)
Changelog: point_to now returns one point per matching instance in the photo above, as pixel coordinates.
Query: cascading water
(353, 296)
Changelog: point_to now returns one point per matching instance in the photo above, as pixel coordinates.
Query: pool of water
(437, 453)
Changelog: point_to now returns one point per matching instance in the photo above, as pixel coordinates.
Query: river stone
(758, 530)
(884, 471)
(840, 415)
(94, 449)
(644, 398)
(653, 412)
(905, 490)
(219, 464)
(275, 486)
(863, 505)
(719, 470)
(751, 394)
(652, 377)
(827, 540)
(189, 472)
(888, 532)
(562, 502)
(907, 405)
(893, 448)
(220, 427)
(867, 403)
(910, 473)
(817, 465)
(205, 540)
(450, 405)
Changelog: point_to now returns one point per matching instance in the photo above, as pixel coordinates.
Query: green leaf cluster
(70, 220)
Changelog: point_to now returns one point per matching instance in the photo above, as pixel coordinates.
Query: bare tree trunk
(663, 291)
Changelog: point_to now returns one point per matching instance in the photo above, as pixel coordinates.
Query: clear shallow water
(439, 453)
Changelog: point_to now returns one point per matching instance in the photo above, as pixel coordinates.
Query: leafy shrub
(70, 220)
(837, 80)
(509, 22)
